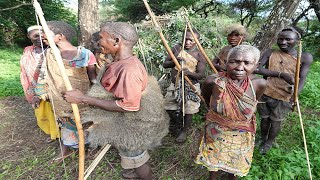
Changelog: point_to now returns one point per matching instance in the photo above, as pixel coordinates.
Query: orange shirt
(126, 80)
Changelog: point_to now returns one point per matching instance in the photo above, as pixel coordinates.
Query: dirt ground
(24, 153)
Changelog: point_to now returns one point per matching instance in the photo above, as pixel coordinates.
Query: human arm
(259, 86)
(91, 70)
(206, 89)
(76, 96)
(306, 61)
(216, 64)
(168, 62)
(262, 70)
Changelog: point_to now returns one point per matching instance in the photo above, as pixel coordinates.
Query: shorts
(133, 159)
(274, 109)
(171, 104)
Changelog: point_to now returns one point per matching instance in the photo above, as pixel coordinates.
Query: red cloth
(126, 79)
(30, 68)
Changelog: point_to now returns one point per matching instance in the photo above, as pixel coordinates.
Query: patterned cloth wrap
(229, 134)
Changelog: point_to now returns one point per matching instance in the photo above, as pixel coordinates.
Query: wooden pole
(164, 41)
(297, 74)
(67, 83)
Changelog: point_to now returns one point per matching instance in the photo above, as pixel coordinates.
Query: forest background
(262, 18)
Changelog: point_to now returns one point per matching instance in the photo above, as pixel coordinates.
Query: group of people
(123, 106)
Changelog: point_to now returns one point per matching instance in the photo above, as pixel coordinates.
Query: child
(278, 67)
(80, 68)
(194, 67)
(236, 34)
(229, 132)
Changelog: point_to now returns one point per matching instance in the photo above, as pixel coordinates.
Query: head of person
(94, 43)
(189, 40)
(60, 31)
(287, 39)
(242, 60)
(236, 34)
(115, 36)
(34, 34)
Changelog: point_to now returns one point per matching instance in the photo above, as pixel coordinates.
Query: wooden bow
(296, 104)
(67, 83)
(164, 41)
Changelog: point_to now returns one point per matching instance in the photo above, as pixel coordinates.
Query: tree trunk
(279, 17)
(315, 4)
(88, 20)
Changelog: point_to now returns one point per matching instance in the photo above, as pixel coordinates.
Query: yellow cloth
(227, 150)
(45, 119)
(277, 88)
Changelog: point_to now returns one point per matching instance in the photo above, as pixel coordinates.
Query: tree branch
(15, 7)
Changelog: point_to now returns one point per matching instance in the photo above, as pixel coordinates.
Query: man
(193, 67)
(278, 67)
(127, 107)
(232, 96)
(32, 69)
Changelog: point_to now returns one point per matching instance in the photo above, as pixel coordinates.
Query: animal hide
(133, 131)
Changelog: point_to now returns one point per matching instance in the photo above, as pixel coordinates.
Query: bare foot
(182, 137)
(265, 148)
(129, 174)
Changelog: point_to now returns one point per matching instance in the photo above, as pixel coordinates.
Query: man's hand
(73, 96)
(35, 102)
(288, 78)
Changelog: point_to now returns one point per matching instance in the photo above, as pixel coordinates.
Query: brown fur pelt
(131, 131)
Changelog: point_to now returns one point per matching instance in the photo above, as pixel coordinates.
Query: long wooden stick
(67, 83)
(164, 41)
(201, 48)
(182, 74)
(96, 161)
(304, 139)
(296, 104)
(297, 74)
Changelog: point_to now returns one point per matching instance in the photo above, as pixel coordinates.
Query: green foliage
(288, 160)
(134, 10)
(15, 22)
(173, 27)
(9, 72)
(310, 95)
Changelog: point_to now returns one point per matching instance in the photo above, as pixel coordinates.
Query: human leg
(183, 133)
(144, 172)
(214, 175)
(273, 132)
(135, 164)
(264, 127)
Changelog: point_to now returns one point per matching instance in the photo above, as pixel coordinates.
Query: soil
(19, 131)
(25, 154)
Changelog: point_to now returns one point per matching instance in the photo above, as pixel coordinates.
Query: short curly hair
(61, 27)
(125, 30)
(245, 49)
(237, 28)
(293, 29)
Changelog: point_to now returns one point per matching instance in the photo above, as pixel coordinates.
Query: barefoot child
(194, 66)
(229, 132)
